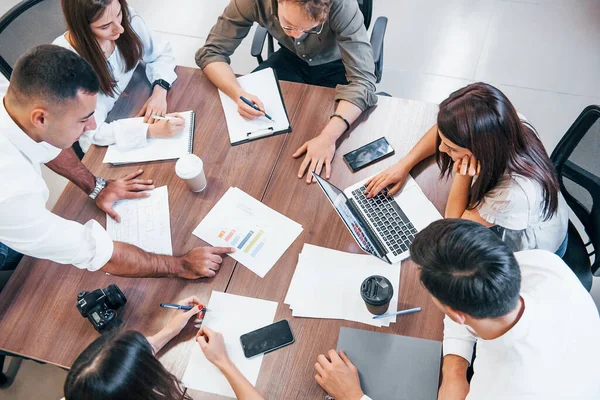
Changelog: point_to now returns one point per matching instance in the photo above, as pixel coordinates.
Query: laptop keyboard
(389, 220)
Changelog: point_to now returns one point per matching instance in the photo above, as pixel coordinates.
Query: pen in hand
(251, 104)
(180, 307)
(164, 118)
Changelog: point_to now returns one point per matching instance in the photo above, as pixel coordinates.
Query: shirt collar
(39, 153)
(520, 329)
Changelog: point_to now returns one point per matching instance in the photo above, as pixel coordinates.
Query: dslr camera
(100, 306)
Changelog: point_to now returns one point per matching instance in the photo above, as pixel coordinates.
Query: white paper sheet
(145, 223)
(326, 284)
(232, 316)
(260, 234)
(155, 149)
(263, 85)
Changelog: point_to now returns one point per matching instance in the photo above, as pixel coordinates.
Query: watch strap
(100, 185)
(162, 83)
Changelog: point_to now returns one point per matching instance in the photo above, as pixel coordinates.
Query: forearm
(454, 371)
(243, 389)
(458, 198)
(222, 76)
(159, 340)
(336, 126)
(67, 164)
(424, 148)
(130, 261)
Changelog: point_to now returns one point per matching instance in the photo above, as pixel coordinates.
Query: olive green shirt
(344, 36)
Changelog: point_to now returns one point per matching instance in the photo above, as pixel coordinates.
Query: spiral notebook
(264, 85)
(157, 149)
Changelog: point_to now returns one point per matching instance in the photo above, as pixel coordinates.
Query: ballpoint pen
(180, 307)
(409, 311)
(167, 118)
(251, 104)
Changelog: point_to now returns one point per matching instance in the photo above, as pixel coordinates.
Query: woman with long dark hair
(503, 177)
(122, 366)
(114, 40)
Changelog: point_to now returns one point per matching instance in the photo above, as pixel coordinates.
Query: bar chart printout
(259, 234)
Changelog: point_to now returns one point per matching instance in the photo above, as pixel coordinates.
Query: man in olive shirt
(323, 42)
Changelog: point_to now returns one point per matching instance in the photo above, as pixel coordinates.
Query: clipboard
(265, 85)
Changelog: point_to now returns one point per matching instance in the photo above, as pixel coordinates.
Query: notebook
(264, 85)
(157, 149)
(392, 366)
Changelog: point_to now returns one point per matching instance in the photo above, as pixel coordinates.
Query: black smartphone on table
(368, 154)
(269, 338)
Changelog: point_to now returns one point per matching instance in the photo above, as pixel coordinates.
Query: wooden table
(263, 169)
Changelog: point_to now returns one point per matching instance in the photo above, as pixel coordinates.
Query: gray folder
(393, 367)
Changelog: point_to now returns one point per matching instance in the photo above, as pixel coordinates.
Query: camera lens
(115, 297)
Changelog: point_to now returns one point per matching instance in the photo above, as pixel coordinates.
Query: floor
(544, 54)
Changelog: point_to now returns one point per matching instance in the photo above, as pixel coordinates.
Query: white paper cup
(190, 168)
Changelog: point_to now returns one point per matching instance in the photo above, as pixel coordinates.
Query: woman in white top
(123, 366)
(503, 177)
(114, 39)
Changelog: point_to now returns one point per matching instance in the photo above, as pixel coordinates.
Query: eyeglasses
(312, 31)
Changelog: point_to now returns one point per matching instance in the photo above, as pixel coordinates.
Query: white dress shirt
(160, 64)
(551, 353)
(26, 225)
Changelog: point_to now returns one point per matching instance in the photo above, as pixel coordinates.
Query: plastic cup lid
(377, 290)
(188, 166)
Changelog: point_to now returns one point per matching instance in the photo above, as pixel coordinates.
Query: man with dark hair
(322, 42)
(535, 325)
(49, 103)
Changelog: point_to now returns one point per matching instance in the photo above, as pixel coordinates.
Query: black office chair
(377, 36)
(576, 161)
(28, 24)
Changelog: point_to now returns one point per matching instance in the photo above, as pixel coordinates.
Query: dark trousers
(290, 67)
(9, 259)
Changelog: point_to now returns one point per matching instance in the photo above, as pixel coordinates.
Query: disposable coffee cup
(190, 168)
(377, 292)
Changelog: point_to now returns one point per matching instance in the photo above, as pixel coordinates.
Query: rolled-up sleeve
(457, 340)
(28, 227)
(227, 34)
(158, 54)
(355, 48)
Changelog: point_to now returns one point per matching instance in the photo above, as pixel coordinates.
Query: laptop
(382, 226)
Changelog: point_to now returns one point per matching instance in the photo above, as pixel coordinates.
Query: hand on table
(166, 128)
(155, 105)
(179, 319)
(245, 110)
(319, 152)
(395, 175)
(338, 376)
(203, 262)
(129, 187)
(467, 166)
(213, 346)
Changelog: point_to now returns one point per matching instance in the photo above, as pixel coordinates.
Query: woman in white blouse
(114, 39)
(503, 177)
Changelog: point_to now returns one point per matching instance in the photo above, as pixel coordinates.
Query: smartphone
(368, 154)
(267, 339)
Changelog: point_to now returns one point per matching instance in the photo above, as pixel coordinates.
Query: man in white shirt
(535, 325)
(50, 102)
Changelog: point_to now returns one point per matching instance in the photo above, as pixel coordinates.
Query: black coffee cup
(377, 292)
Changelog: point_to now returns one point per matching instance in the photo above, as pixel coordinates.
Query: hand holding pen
(190, 306)
(251, 107)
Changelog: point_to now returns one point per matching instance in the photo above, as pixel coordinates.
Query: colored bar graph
(221, 234)
(257, 248)
(253, 241)
(235, 240)
(245, 240)
(230, 235)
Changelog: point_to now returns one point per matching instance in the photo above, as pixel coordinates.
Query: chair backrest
(28, 24)
(575, 159)
(366, 7)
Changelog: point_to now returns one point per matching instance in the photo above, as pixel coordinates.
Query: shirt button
(298, 43)
(304, 55)
(310, 59)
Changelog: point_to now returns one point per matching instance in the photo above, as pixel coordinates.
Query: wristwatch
(100, 184)
(162, 83)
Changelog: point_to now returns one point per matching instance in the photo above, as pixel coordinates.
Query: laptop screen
(356, 227)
